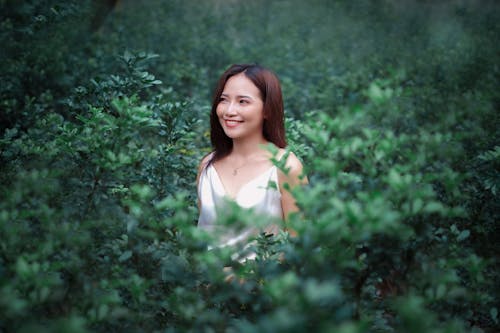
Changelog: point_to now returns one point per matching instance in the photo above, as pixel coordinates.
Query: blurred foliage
(392, 105)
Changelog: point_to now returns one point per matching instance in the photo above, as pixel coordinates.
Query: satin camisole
(261, 195)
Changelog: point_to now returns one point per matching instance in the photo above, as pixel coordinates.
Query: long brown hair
(274, 119)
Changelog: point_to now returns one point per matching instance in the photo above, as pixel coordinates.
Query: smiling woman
(247, 115)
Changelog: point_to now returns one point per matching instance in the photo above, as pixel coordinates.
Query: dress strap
(209, 158)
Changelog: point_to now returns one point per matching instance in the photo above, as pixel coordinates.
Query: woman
(247, 115)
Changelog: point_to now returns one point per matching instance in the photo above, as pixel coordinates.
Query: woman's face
(241, 109)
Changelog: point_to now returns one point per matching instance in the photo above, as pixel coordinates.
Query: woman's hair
(273, 110)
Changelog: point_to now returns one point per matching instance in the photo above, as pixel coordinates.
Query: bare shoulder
(294, 166)
(203, 163)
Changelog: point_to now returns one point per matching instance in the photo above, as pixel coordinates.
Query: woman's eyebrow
(238, 96)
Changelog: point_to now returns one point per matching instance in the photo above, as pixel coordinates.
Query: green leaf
(494, 314)
(125, 256)
(464, 234)
(434, 207)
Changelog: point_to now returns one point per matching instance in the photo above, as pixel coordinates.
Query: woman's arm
(201, 167)
(293, 178)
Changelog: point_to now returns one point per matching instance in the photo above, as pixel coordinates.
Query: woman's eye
(243, 101)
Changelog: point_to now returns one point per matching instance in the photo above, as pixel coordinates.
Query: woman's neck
(246, 147)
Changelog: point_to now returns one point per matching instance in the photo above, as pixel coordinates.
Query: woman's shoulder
(291, 159)
(293, 165)
(205, 160)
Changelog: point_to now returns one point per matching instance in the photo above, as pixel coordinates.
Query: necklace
(235, 170)
(250, 158)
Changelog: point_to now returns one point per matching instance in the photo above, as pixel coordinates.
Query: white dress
(261, 195)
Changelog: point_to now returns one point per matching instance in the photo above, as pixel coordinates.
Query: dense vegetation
(392, 105)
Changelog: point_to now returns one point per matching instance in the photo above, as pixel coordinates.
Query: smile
(232, 123)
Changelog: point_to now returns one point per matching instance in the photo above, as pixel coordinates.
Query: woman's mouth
(232, 123)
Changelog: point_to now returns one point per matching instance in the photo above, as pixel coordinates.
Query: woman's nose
(230, 109)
